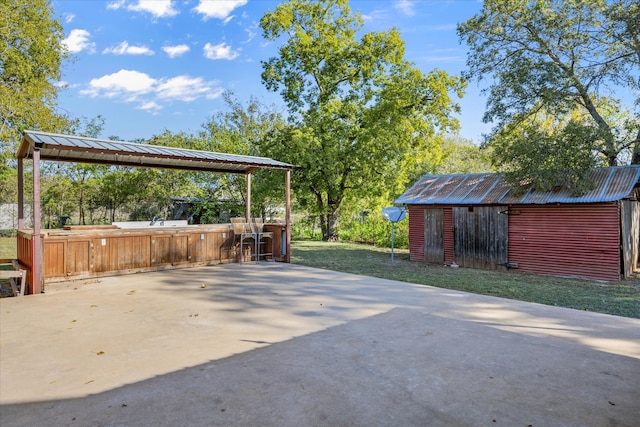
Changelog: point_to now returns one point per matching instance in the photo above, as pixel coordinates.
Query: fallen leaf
(100, 353)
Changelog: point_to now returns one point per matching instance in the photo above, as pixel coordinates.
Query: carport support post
(20, 194)
(36, 285)
(248, 211)
(287, 215)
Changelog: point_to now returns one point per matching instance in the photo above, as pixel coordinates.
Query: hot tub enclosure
(480, 221)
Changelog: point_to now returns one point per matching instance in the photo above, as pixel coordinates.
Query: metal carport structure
(39, 146)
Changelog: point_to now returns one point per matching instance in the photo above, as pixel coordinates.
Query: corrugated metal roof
(611, 184)
(91, 150)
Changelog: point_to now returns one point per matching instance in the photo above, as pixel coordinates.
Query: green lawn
(622, 299)
(8, 247)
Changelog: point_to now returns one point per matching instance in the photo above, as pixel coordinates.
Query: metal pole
(392, 239)
(287, 215)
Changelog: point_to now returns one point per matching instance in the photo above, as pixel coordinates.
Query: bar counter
(80, 252)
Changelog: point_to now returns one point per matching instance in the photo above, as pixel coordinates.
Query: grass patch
(621, 299)
(8, 247)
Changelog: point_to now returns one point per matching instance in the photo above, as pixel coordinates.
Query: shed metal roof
(68, 148)
(611, 184)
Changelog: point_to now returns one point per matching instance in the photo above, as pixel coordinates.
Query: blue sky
(146, 66)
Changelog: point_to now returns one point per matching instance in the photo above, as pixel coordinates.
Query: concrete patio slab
(283, 345)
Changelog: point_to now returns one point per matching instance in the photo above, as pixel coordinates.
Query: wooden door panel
(434, 236)
(481, 236)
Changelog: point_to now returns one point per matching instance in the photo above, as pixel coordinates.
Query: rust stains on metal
(610, 184)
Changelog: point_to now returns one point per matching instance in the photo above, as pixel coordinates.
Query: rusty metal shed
(39, 146)
(611, 184)
(480, 221)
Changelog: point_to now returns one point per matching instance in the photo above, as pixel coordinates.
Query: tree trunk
(81, 207)
(635, 157)
(328, 218)
(328, 223)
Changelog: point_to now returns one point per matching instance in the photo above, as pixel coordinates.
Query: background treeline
(359, 121)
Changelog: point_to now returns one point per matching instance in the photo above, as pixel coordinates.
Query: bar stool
(261, 237)
(243, 232)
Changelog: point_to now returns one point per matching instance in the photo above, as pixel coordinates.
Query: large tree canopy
(558, 58)
(30, 57)
(359, 109)
(31, 53)
(248, 130)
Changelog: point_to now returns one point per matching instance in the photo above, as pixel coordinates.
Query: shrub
(376, 230)
(8, 233)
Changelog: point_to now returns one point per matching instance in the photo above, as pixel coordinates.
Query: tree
(31, 53)
(246, 130)
(358, 108)
(551, 58)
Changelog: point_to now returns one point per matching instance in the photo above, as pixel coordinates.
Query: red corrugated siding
(448, 235)
(416, 233)
(581, 240)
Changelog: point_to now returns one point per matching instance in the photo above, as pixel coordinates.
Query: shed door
(630, 227)
(481, 237)
(433, 236)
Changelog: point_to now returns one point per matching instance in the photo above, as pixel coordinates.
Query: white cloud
(151, 106)
(220, 9)
(406, 7)
(183, 88)
(376, 15)
(115, 5)
(215, 93)
(174, 51)
(252, 32)
(158, 8)
(77, 41)
(127, 82)
(219, 51)
(150, 93)
(125, 49)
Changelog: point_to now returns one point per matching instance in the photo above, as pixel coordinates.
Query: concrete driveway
(282, 345)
